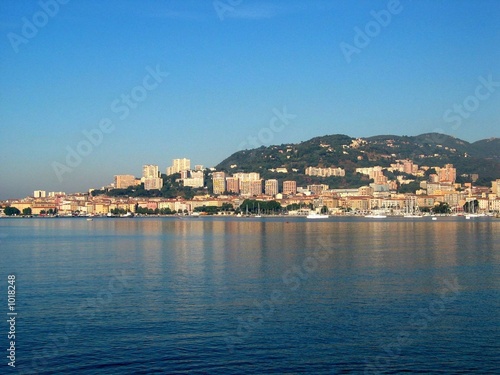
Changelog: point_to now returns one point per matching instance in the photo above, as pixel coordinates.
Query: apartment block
(123, 181)
(150, 171)
(219, 182)
(495, 187)
(233, 185)
(324, 172)
(39, 194)
(153, 183)
(448, 174)
(290, 187)
(179, 165)
(317, 189)
(271, 187)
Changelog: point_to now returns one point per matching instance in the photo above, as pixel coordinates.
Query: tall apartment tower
(290, 187)
(150, 171)
(219, 182)
(271, 187)
(179, 165)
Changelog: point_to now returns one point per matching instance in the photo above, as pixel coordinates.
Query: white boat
(378, 216)
(317, 216)
(434, 218)
(258, 211)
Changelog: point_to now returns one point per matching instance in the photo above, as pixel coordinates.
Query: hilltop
(431, 149)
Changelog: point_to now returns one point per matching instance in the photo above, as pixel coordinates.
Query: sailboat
(258, 211)
(411, 208)
(473, 214)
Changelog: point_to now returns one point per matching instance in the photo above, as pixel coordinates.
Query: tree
(9, 211)
(441, 208)
(471, 206)
(27, 211)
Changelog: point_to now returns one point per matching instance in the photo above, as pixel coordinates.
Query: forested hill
(431, 149)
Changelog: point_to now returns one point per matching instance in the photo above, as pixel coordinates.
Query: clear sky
(359, 68)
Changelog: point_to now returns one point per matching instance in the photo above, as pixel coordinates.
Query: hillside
(431, 149)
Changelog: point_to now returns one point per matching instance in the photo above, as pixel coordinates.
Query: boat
(411, 208)
(315, 215)
(258, 211)
(89, 219)
(377, 216)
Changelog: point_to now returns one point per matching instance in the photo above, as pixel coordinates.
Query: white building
(39, 193)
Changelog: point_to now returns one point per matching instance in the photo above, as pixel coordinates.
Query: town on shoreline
(210, 192)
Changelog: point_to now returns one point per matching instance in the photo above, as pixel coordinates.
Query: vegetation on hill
(432, 149)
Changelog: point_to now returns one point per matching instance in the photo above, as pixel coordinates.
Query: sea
(270, 295)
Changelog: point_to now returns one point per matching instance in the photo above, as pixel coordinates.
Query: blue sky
(229, 72)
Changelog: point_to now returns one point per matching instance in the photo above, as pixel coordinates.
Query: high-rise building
(251, 187)
(123, 181)
(271, 187)
(409, 167)
(495, 187)
(179, 165)
(448, 174)
(233, 185)
(150, 171)
(219, 182)
(289, 187)
(39, 193)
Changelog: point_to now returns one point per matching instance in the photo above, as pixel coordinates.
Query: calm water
(253, 296)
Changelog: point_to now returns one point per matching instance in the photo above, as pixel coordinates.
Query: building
(150, 171)
(448, 174)
(233, 185)
(255, 187)
(179, 165)
(153, 183)
(39, 193)
(325, 172)
(195, 179)
(219, 182)
(495, 187)
(317, 189)
(53, 194)
(290, 187)
(271, 187)
(123, 181)
(251, 187)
